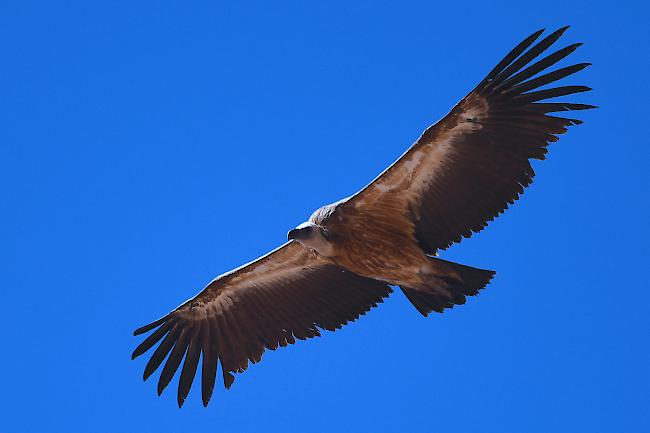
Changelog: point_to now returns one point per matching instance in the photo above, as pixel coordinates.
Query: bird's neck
(321, 245)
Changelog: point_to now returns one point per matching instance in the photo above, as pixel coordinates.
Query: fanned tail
(441, 292)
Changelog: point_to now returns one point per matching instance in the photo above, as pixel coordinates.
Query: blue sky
(148, 146)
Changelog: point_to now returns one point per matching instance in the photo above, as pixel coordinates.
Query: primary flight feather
(459, 175)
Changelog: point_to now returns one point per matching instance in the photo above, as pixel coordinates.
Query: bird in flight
(460, 174)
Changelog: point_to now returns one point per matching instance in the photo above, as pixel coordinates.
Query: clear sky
(147, 147)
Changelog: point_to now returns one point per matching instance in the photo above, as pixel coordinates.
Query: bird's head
(312, 236)
(304, 232)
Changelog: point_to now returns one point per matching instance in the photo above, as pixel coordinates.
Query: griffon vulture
(460, 174)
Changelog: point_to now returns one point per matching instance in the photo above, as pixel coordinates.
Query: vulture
(460, 174)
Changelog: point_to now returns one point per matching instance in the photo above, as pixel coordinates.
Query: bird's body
(372, 247)
(460, 174)
(380, 247)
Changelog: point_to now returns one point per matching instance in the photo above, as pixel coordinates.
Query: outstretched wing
(465, 170)
(287, 294)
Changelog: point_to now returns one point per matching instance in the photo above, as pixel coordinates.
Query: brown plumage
(459, 175)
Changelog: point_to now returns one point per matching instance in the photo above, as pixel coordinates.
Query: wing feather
(161, 352)
(174, 359)
(209, 363)
(286, 295)
(190, 365)
(466, 169)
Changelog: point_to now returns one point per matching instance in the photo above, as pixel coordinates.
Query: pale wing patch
(267, 272)
(382, 188)
(439, 153)
(421, 164)
(396, 178)
(411, 174)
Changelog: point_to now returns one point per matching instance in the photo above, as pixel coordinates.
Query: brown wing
(465, 170)
(270, 302)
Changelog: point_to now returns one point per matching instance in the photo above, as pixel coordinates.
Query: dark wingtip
(575, 46)
(147, 373)
(585, 106)
(563, 29)
(558, 33)
(206, 395)
(228, 379)
(150, 326)
(141, 330)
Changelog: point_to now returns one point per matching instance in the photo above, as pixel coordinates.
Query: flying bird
(460, 174)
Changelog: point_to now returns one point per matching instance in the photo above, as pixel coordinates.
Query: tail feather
(442, 292)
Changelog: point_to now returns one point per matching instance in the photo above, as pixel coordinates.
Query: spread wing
(467, 168)
(287, 294)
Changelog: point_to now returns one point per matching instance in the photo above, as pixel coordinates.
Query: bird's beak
(293, 234)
